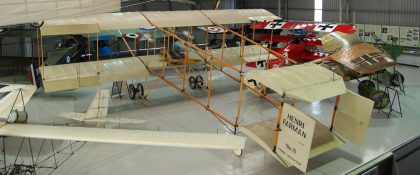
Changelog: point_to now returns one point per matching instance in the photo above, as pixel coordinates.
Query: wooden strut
(279, 118)
(177, 88)
(337, 101)
(209, 85)
(42, 55)
(221, 62)
(89, 46)
(97, 53)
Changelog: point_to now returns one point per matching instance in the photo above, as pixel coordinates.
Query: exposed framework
(215, 62)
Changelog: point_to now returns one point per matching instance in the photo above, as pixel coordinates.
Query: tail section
(98, 109)
(99, 106)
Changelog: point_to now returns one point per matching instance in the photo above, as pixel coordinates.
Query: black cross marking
(325, 27)
(261, 63)
(253, 81)
(274, 24)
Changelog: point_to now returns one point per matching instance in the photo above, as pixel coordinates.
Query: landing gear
(191, 82)
(196, 82)
(381, 99)
(136, 91)
(132, 91)
(238, 152)
(367, 89)
(395, 79)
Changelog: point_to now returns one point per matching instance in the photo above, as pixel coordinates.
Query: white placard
(370, 30)
(360, 31)
(409, 36)
(295, 137)
(389, 33)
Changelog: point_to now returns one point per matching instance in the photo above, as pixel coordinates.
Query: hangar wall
(380, 12)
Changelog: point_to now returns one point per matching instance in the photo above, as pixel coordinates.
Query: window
(318, 11)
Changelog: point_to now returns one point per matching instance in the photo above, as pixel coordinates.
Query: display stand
(395, 105)
(117, 87)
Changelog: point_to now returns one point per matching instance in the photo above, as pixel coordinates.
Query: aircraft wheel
(140, 89)
(395, 79)
(238, 152)
(192, 81)
(199, 81)
(381, 99)
(132, 91)
(37, 25)
(365, 87)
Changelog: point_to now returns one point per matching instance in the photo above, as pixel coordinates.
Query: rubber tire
(381, 99)
(394, 80)
(199, 81)
(140, 89)
(364, 86)
(132, 91)
(192, 81)
(37, 26)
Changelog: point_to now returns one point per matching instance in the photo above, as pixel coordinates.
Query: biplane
(306, 82)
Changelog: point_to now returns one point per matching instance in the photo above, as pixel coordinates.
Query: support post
(279, 118)
(337, 100)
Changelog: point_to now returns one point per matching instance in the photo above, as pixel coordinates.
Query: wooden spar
(255, 43)
(184, 78)
(198, 49)
(89, 46)
(218, 115)
(165, 54)
(223, 46)
(337, 100)
(97, 53)
(253, 30)
(38, 46)
(209, 84)
(279, 117)
(42, 54)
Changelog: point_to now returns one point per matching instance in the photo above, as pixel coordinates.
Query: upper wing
(72, 76)
(18, 12)
(134, 20)
(308, 82)
(318, 27)
(361, 57)
(122, 136)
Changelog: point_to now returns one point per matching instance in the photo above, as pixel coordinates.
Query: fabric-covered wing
(337, 40)
(238, 16)
(94, 23)
(116, 120)
(351, 52)
(231, 55)
(99, 106)
(363, 58)
(72, 76)
(308, 82)
(177, 18)
(122, 136)
(17, 12)
(15, 97)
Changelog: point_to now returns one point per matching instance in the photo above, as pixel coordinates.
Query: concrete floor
(170, 111)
